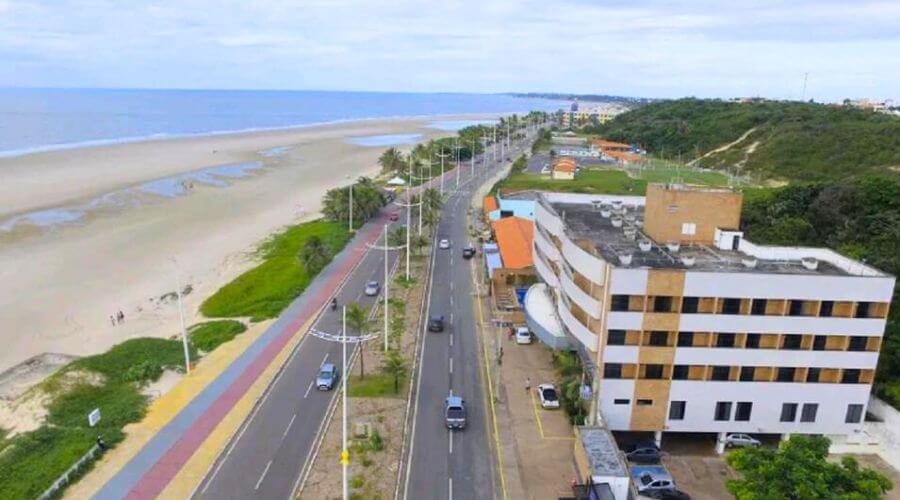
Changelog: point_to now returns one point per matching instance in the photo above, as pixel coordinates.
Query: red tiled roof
(490, 204)
(605, 145)
(515, 236)
(564, 165)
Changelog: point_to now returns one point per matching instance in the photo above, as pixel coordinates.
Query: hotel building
(687, 326)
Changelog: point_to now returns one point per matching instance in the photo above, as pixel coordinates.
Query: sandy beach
(61, 284)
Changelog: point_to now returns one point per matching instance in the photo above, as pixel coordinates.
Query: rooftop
(515, 236)
(602, 452)
(613, 230)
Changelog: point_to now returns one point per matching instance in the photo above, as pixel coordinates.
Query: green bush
(357, 481)
(264, 291)
(207, 336)
(143, 371)
(376, 442)
(115, 363)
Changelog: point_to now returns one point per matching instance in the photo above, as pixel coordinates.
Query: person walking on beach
(121, 317)
(112, 320)
(527, 384)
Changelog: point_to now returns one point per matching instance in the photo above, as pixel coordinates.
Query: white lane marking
(451, 340)
(451, 441)
(307, 391)
(263, 476)
(450, 485)
(288, 428)
(451, 366)
(325, 358)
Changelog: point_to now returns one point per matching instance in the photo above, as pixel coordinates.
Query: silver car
(372, 288)
(328, 375)
(741, 440)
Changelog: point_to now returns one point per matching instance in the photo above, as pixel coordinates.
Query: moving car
(394, 216)
(328, 375)
(372, 288)
(523, 336)
(444, 244)
(651, 478)
(741, 440)
(436, 323)
(455, 412)
(468, 252)
(548, 395)
(646, 453)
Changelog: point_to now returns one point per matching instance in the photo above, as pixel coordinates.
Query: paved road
(443, 464)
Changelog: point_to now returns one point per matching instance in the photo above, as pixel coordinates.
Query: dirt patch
(28, 410)
(18, 379)
(164, 384)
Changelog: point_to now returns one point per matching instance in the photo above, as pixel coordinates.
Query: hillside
(786, 140)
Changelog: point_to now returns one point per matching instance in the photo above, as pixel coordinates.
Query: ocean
(33, 120)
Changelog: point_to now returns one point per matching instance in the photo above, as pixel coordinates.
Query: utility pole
(386, 286)
(442, 155)
(345, 453)
(351, 206)
(456, 147)
(472, 158)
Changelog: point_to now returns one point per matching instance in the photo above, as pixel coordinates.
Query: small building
(623, 157)
(607, 146)
(514, 205)
(601, 466)
(510, 281)
(564, 169)
(576, 152)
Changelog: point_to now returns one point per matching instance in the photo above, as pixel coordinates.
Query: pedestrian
(527, 384)
(112, 320)
(121, 317)
(101, 443)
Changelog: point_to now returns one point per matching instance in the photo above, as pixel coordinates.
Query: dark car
(667, 495)
(468, 252)
(646, 453)
(455, 412)
(436, 323)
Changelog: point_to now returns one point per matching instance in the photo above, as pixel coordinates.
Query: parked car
(372, 288)
(741, 440)
(444, 244)
(468, 252)
(455, 412)
(652, 478)
(523, 335)
(327, 377)
(394, 216)
(667, 495)
(436, 323)
(646, 453)
(548, 395)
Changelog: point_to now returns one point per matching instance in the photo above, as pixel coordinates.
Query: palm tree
(432, 199)
(391, 160)
(358, 321)
(397, 238)
(314, 254)
(418, 242)
(395, 366)
(431, 218)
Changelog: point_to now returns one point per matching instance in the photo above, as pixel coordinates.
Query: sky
(635, 48)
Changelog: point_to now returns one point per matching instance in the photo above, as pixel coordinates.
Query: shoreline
(64, 283)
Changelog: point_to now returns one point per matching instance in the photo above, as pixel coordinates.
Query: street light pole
(442, 155)
(184, 339)
(345, 453)
(351, 206)
(474, 148)
(386, 286)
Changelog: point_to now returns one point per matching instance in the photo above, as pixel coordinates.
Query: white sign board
(94, 417)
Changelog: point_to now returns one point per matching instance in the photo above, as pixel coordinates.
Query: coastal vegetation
(768, 139)
(111, 381)
(857, 217)
(211, 334)
(368, 199)
(587, 181)
(264, 291)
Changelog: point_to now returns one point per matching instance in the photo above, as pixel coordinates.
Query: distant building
(686, 326)
(516, 205)
(564, 169)
(579, 116)
(576, 152)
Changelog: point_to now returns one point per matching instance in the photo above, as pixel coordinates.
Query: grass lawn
(663, 171)
(264, 291)
(31, 461)
(207, 336)
(375, 385)
(587, 181)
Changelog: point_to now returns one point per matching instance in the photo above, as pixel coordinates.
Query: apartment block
(687, 326)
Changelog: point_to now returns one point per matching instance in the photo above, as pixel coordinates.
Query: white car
(548, 395)
(372, 288)
(741, 440)
(523, 336)
(444, 244)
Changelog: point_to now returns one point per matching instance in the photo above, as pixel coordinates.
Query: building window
(676, 410)
(743, 411)
(812, 374)
(819, 342)
(662, 304)
(725, 340)
(759, 307)
(621, 401)
(862, 309)
(747, 373)
(690, 304)
(850, 376)
(615, 337)
(731, 306)
(791, 341)
(681, 372)
(785, 374)
(752, 341)
(796, 308)
(685, 339)
(654, 372)
(619, 303)
(723, 411)
(612, 370)
(827, 308)
(854, 414)
(659, 338)
(809, 412)
(644, 402)
(720, 372)
(857, 343)
(788, 412)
